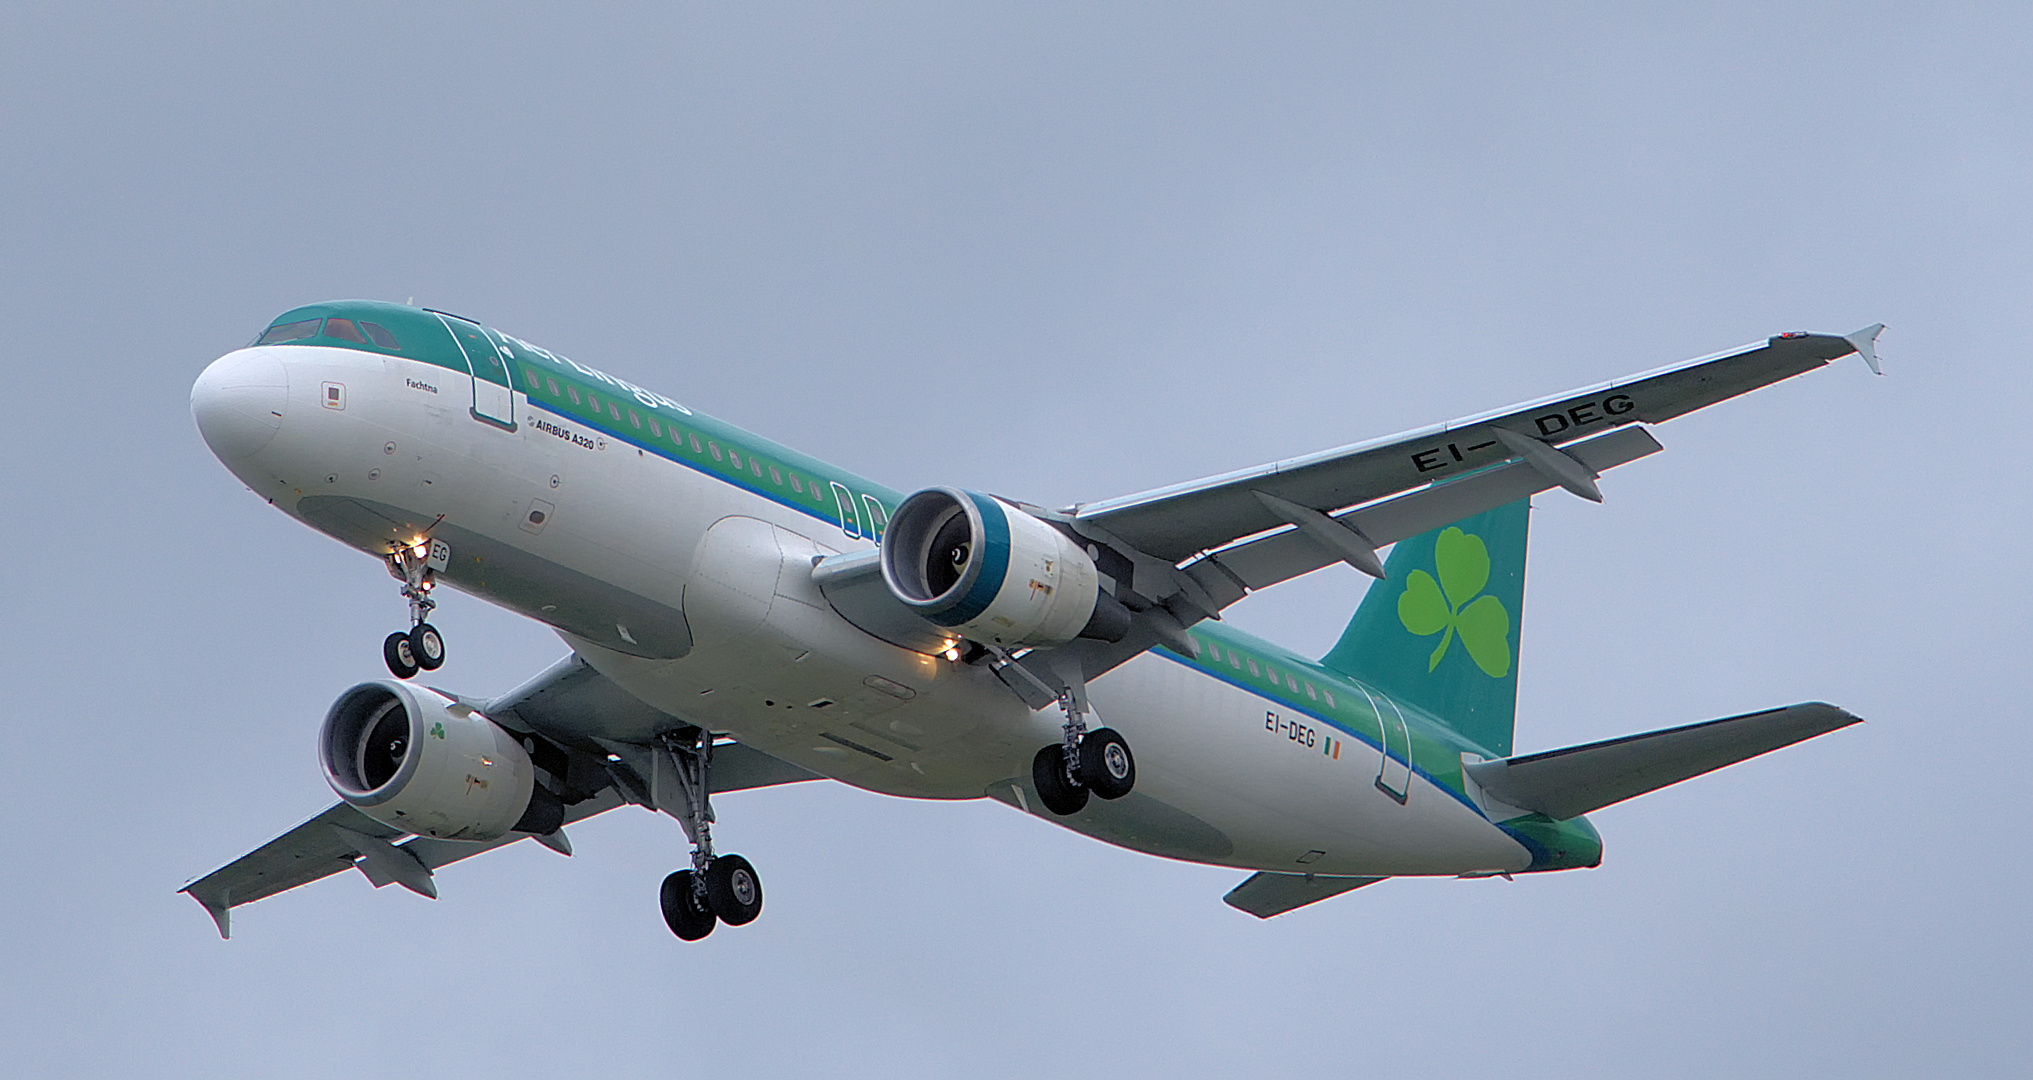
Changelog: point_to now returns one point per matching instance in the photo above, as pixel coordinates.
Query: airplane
(741, 615)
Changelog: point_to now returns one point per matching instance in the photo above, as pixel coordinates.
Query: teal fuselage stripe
(785, 500)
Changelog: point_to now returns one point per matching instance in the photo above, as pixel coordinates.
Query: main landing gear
(422, 648)
(1084, 762)
(718, 888)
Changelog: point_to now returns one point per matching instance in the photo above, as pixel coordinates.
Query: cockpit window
(344, 330)
(292, 331)
(380, 336)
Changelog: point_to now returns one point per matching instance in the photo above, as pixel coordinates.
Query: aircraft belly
(775, 666)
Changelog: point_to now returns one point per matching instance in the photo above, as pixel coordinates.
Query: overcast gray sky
(1060, 252)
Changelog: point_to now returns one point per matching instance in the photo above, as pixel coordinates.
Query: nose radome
(238, 402)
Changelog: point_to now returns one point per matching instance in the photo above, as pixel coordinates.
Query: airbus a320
(739, 614)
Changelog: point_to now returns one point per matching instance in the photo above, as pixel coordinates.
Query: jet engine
(990, 572)
(418, 761)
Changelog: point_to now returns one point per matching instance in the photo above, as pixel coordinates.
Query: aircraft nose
(238, 402)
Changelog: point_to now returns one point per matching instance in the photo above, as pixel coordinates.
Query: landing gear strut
(1083, 762)
(422, 648)
(718, 888)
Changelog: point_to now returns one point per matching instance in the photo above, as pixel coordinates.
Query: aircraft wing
(1177, 522)
(567, 698)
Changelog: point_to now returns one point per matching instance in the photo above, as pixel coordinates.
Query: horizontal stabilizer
(1568, 783)
(1266, 894)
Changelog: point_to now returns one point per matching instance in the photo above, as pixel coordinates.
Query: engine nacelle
(990, 572)
(418, 761)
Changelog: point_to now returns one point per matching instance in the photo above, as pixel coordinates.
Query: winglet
(219, 907)
(1865, 343)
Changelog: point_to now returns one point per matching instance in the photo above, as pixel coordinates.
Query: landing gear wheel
(400, 655)
(683, 912)
(1106, 766)
(1048, 774)
(733, 890)
(427, 647)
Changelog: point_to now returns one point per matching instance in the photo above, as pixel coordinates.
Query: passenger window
(633, 419)
(593, 401)
(1330, 697)
(294, 331)
(654, 429)
(715, 447)
(755, 466)
(695, 444)
(776, 477)
(1233, 662)
(1253, 668)
(1291, 682)
(612, 408)
(344, 330)
(734, 458)
(379, 336)
(1310, 693)
(574, 391)
(534, 382)
(552, 384)
(795, 486)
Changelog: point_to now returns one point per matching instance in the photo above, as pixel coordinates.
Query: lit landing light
(953, 651)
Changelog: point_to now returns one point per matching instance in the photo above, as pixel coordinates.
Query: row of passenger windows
(357, 331)
(877, 518)
(1216, 654)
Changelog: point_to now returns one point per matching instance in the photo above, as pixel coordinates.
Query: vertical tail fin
(1441, 629)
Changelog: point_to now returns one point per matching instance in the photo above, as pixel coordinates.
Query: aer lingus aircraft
(741, 615)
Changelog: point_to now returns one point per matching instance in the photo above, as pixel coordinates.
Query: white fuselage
(696, 596)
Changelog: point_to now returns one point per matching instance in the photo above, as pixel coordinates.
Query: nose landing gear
(422, 647)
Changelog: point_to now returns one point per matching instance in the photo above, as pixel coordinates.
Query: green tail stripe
(1441, 630)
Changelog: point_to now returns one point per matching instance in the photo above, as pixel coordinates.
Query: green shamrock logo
(438, 729)
(1451, 606)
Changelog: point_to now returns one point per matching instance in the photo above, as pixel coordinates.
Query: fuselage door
(493, 400)
(1394, 773)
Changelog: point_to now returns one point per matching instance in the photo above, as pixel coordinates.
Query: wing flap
(1567, 783)
(1266, 894)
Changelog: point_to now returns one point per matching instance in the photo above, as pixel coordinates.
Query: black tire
(733, 890)
(1106, 765)
(1048, 775)
(396, 651)
(683, 913)
(427, 647)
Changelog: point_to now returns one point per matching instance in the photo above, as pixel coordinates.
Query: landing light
(420, 550)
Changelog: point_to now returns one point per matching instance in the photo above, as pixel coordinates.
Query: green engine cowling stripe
(994, 565)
